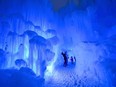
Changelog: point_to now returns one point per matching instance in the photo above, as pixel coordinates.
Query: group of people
(66, 58)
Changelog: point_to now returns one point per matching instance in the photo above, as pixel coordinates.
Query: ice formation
(34, 33)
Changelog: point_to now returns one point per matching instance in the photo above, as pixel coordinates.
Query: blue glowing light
(34, 33)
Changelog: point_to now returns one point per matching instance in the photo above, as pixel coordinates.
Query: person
(75, 59)
(72, 61)
(65, 58)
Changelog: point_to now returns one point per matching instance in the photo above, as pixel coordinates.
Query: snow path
(62, 77)
(69, 77)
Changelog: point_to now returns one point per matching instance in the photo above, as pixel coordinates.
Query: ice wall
(37, 31)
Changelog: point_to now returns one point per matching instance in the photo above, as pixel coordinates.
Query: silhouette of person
(65, 58)
(75, 59)
(72, 60)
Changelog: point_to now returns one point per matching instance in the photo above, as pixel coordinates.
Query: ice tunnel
(57, 43)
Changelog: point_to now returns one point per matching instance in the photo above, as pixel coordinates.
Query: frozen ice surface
(3, 59)
(33, 33)
(30, 33)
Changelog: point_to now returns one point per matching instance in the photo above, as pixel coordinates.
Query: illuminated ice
(3, 59)
(34, 33)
